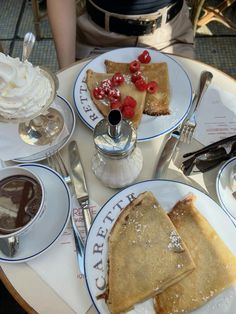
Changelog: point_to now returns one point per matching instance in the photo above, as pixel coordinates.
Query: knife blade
(79, 181)
(167, 153)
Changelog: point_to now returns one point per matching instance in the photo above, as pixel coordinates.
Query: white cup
(22, 203)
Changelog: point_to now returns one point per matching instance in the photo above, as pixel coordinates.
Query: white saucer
(53, 222)
(223, 187)
(68, 114)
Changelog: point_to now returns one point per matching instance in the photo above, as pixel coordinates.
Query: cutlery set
(184, 132)
(77, 183)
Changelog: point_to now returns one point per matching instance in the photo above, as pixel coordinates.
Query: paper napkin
(13, 147)
(59, 269)
(216, 116)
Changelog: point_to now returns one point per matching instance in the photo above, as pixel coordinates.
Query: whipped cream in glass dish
(25, 90)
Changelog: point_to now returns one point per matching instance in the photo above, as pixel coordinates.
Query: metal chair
(210, 13)
(38, 16)
(1, 48)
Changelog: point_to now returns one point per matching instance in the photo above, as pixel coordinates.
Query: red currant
(116, 105)
(114, 95)
(128, 112)
(129, 101)
(136, 76)
(134, 66)
(144, 57)
(98, 93)
(117, 79)
(152, 87)
(106, 85)
(141, 85)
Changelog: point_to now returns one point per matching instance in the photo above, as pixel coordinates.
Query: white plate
(68, 114)
(107, 216)
(150, 127)
(223, 187)
(53, 222)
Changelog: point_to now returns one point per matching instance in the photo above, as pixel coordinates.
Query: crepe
(93, 79)
(215, 264)
(155, 104)
(144, 254)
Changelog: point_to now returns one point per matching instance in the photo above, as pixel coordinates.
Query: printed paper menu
(216, 116)
(59, 267)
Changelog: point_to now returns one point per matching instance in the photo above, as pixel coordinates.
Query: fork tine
(56, 162)
(191, 132)
(182, 135)
(61, 164)
(185, 133)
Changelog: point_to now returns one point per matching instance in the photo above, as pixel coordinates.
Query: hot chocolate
(20, 199)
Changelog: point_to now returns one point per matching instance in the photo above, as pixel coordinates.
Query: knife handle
(79, 245)
(86, 213)
(167, 154)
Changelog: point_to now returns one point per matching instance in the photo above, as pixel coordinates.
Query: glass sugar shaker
(117, 161)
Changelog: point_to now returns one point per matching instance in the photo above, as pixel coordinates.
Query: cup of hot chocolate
(22, 203)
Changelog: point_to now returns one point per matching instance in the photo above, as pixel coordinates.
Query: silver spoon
(28, 44)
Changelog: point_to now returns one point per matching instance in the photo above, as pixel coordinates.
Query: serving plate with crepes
(150, 126)
(96, 253)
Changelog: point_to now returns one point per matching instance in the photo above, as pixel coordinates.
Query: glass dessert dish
(26, 94)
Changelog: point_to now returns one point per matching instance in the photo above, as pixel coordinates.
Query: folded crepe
(145, 255)
(155, 104)
(93, 80)
(215, 264)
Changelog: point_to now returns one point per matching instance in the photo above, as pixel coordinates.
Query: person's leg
(62, 18)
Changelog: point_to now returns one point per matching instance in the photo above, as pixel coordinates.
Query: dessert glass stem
(43, 129)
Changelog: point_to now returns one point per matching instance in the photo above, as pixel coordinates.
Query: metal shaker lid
(115, 137)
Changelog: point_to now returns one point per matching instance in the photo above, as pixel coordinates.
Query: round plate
(223, 187)
(150, 127)
(68, 114)
(53, 222)
(216, 216)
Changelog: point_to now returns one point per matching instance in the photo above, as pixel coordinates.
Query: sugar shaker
(117, 161)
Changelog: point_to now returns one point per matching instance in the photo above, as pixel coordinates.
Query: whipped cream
(24, 89)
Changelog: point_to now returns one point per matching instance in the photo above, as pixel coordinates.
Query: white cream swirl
(24, 89)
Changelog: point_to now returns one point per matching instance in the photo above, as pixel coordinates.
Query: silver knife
(78, 178)
(167, 153)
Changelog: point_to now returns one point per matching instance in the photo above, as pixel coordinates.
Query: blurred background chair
(202, 14)
(38, 16)
(1, 48)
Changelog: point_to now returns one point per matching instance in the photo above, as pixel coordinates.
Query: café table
(26, 286)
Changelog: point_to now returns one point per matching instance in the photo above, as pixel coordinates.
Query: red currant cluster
(137, 77)
(127, 107)
(108, 87)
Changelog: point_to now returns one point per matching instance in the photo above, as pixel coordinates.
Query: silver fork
(191, 123)
(56, 162)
